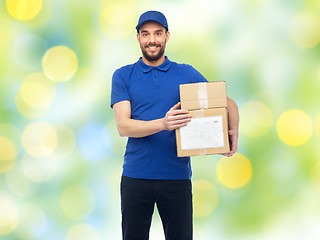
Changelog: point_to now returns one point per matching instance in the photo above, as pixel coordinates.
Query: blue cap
(152, 16)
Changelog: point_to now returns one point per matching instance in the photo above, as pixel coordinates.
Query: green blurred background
(61, 155)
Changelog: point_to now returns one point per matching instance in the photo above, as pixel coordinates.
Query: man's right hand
(176, 118)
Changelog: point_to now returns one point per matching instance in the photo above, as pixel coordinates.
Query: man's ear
(167, 36)
(138, 37)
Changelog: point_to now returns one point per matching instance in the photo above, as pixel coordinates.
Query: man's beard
(153, 58)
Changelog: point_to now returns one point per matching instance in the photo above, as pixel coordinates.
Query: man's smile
(153, 47)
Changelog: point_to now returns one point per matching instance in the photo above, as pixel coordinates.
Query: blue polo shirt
(152, 91)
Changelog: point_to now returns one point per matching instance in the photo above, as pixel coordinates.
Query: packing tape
(203, 95)
(199, 113)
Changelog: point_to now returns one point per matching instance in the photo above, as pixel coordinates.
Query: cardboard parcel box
(207, 132)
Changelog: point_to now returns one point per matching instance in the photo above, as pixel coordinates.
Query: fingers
(175, 107)
(232, 132)
(177, 121)
(176, 111)
(176, 118)
(233, 150)
(179, 116)
(229, 154)
(179, 125)
(181, 121)
(233, 136)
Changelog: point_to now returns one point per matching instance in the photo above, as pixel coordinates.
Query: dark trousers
(174, 203)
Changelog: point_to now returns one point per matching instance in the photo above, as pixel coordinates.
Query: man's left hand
(233, 137)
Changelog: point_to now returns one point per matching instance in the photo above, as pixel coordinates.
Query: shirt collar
(146, 68)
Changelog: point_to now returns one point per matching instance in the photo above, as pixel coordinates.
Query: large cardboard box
(207, 132)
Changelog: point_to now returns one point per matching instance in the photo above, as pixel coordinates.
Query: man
(145, 100)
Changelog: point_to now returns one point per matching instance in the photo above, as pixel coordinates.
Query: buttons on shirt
(155, 77)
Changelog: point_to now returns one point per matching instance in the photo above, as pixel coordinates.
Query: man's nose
(152, 38)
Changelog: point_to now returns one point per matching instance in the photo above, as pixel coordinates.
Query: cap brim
(140, 24)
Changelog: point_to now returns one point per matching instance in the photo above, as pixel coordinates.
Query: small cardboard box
(207, 132)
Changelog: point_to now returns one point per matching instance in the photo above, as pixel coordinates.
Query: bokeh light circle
(8, 154)
(40, 139)
(26, 111)
(60, 63)
(205, 198)
(24, 10)
(117, 20)
(305, 30)
(77, 201)
(294, 127)
(33, 222)
(235, 171)
(19, 184)
(9, 217)
(35, 95)
(66, 143)
(83, 232)
(40, 169)
(94, 142)
(256, 118)
(37, 91)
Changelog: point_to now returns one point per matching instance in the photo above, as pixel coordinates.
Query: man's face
(152, 38)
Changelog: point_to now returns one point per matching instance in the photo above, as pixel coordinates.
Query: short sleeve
(119, 90)
(197, 76)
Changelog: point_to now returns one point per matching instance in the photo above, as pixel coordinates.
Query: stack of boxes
(207, 132)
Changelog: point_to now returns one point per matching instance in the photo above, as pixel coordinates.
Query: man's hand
(176, 118)
(233, 123)
(233, 139)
